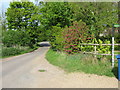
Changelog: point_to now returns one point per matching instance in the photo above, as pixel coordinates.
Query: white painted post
(95, 50)
(113, 46)
(112, 52)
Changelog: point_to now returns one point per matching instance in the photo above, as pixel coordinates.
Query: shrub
(74, 35)
(56, 39)
(13, 38)
(10, 51)
(104, 49)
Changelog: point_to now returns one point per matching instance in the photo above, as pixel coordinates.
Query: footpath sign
(116, 25)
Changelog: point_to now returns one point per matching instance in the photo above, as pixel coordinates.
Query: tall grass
(81, 63)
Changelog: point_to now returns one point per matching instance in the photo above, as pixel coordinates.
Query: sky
(4, 4)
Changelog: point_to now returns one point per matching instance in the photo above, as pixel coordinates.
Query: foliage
(86, 48)
(64, 24)
(117, 37)
(104, 49)
(56, 38)
(12, 38)
(101, 49)
(17, 50)
(10, 51)
(74, 35)
(22, 16)
(97, 15)
(55, 14)
(80, 63)
(71, 37)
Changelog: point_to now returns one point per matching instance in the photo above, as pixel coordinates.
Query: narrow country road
(16, 71)
(23, 72)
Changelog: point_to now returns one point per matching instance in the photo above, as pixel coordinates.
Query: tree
(21, 16)
(97, 15)
(55, 14)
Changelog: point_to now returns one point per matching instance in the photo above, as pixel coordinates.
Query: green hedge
(11, 51)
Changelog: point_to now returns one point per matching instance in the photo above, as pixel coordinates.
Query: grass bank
(13, 51)
(81, 63)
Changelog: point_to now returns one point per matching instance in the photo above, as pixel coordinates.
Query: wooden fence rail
(96, 53)
(99, 44)
(95, 48)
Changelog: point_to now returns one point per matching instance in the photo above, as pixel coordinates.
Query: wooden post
(95, 50)
(112, 52)
(113, 46)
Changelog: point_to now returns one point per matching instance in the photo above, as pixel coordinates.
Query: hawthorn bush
(74, 35)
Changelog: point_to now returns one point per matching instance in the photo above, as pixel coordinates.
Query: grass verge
(14, 51)
(81, 63)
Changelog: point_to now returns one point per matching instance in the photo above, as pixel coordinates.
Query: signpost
(114, 26)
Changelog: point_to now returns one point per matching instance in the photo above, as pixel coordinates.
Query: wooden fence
(95, 50)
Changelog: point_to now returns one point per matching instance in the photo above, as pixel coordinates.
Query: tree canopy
(56, 14)
(21, 16)
(39, 20)
(97, 15)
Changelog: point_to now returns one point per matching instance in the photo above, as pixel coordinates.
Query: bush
(10, 51)
(70, 38)
(13, 38)
(56, 39)
(104, 49)
(74, 35)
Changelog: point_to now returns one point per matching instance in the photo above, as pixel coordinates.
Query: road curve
(16, 70)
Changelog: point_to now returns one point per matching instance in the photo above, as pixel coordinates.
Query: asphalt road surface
(23, 72)
(16, 70)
